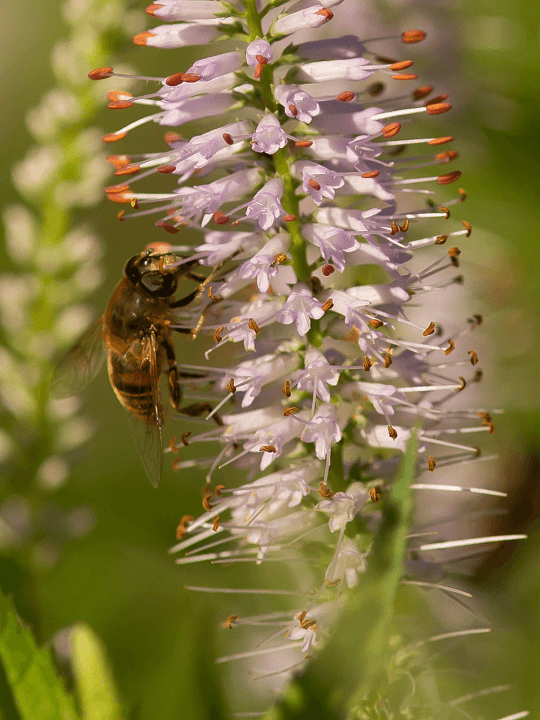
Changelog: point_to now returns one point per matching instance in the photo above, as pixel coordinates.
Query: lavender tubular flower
(336, 371)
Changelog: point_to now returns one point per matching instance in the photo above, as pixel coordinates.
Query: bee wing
(81, 364)
(149, 441)
(148, 435)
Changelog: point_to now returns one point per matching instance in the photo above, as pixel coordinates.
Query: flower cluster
(325, 236)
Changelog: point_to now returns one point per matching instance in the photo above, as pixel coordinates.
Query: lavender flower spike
(330, 239)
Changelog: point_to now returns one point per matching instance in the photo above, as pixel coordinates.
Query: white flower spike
(328, 243)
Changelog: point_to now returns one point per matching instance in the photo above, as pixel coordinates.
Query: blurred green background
(120, 578)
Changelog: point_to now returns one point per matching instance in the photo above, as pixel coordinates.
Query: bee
(134, 334)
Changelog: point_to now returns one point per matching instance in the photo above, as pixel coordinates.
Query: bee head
(148, 271)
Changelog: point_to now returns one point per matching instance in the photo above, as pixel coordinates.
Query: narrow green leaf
(37, 689)
(95, 684)
(345, 670)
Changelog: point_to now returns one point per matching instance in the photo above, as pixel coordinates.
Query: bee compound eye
(131, 269)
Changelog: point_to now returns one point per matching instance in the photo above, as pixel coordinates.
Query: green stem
(336, 472)
(281, 158)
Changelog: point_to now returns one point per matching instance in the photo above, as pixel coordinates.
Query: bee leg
(175, 389)
(198, 290)
(186, 300)
(191, 331)
(198, 409)
(197, 277)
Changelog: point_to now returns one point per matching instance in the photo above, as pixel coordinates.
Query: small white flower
(219, 246)
(348, 563)
(259, 47)
(174, 36)
(311, 17)
(300, 308)
(298, 103)
(355, 69)
(186, 10)
(323, 430)
(332, 242)
(316, 377)
(216, 65)
(344, 506)
(318, 181)
(266, 207)
(263, 265)
(269, 136)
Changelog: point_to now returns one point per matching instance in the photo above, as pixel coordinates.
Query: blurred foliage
(36, 689)
(120, 579)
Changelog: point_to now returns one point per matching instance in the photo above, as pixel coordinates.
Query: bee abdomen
(138, 398)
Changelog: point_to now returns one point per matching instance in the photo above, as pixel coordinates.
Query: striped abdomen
(136, 390)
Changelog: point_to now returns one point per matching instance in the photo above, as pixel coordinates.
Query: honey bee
(134, 334)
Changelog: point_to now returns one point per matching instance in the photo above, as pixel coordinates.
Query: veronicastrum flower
(299, 194)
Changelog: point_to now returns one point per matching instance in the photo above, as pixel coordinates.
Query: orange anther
(391, 129)
(168, 228)
(449, 177)
(346, 96)
(153, 7)
(114, 137)
(120, 198)
(328, 305)
(440, 141)
(141, 38)
(128, 170)
(403, 65)
(175, 79)
(422, 92)
(446, 156)
(438, 108)
(220, 218)
(116, 189)
(120, 105)
(119, 161)
(326, 13)
(100, 73)
(371, 174)
(405, 76)
(116, 95)
(412, 36)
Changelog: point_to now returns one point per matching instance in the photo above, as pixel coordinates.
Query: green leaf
(95, 685)
(347, 669)
(37, 689)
